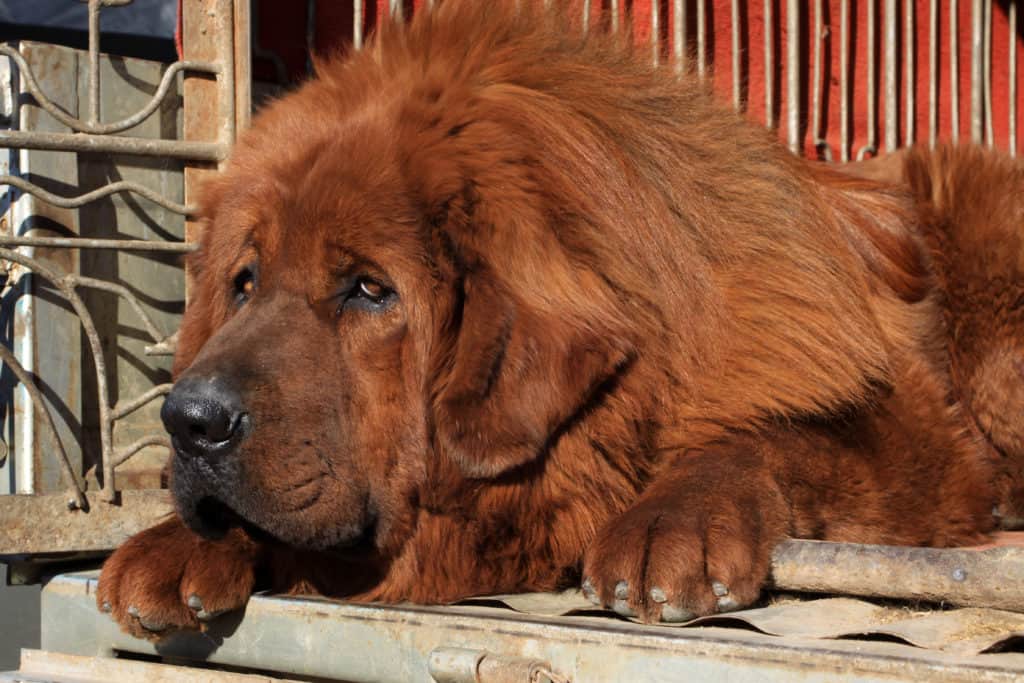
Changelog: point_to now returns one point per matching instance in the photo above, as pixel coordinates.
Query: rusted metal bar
(872, 92)
(793, 73)
(909, 52)
(656, 32)
(966, 578)
(769, 65)
(124, 454)
(357, 24)
(891, 126)
(987, 69)
(817, 104)
(76, 489)
(933, 72)
(113, 144)
(243, 46)
(844, 80)
(94, 61)
(124, 408)
(977, 86)
(702, 37)
(208, 34)
(97, 128)
(87, 243)
(224, 39)
(100, 193)
(737, 77)
(954, 71)
(1011, 15)
(679, 34)
(164, 347)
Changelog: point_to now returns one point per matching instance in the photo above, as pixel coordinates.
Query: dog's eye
(374, 291)
(245, 286)
(368, 294)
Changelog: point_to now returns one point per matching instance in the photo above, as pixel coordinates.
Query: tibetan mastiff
(496, 305)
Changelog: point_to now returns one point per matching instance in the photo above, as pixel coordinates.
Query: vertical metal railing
(793, 74)
(844, 81)
(909, 59)
(1011, 14)
(933, 72)
(769, 64)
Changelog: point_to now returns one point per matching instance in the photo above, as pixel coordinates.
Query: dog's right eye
(245, 286)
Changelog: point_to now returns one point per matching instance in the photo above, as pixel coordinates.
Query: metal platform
(338, 641)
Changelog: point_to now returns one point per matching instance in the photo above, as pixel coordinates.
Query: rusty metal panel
(321, 638)
(44, 524)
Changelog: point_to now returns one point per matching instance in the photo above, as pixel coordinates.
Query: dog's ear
(516, 377)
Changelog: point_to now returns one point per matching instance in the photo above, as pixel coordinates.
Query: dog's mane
(703, 233)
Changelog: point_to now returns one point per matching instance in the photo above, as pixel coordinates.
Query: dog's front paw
(168, 578)
(686, 553)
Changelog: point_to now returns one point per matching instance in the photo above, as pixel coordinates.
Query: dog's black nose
(203, 416)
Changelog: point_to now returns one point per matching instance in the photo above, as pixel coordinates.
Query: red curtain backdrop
(282, 30)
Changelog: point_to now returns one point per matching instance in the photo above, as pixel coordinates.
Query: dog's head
(393, 285)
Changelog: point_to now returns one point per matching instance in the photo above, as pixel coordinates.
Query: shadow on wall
(19, 620)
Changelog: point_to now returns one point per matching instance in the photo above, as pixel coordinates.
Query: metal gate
(74, 399)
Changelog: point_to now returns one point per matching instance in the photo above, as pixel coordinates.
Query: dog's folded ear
(517, 378)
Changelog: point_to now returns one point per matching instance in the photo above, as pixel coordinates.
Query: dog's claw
(195, 603)
(152, 626)
(622, 607)
(658, 595)
(133, 611)
(673, 614)
(106, 608)
(622, 590)
(589, 593)
(719, 589)
(727, 604)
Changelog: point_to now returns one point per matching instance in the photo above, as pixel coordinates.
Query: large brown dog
(492, 306)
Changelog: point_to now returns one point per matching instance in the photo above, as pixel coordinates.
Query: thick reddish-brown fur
(632, 338)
